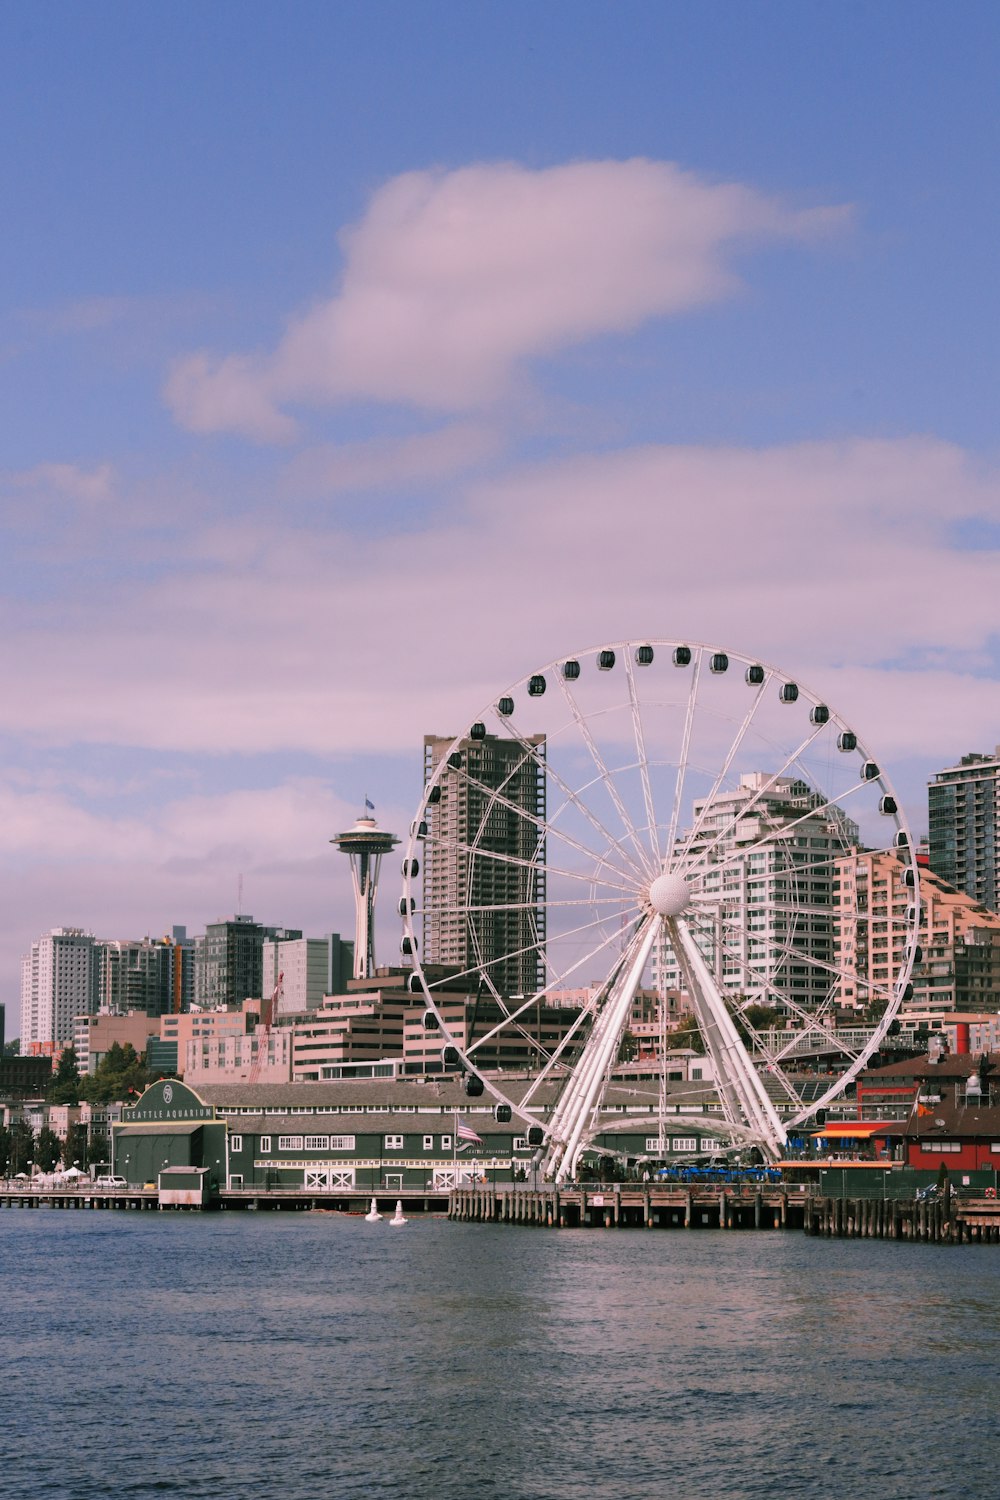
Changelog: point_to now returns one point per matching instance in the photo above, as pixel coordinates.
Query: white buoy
(397, 1217)
(373, 1216)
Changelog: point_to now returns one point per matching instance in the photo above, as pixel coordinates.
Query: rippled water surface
(292, 1356)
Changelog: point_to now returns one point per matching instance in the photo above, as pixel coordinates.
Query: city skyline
(395, 356)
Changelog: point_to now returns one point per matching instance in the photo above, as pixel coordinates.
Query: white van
(110, 1182)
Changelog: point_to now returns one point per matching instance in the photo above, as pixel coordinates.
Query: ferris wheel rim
(902, 846)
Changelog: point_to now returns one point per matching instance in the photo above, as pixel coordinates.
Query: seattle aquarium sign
(168, 1100)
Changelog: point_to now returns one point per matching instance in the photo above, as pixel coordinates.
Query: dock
(949, 1219)
(240, 1199)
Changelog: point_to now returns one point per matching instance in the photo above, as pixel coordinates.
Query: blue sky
(357, 359)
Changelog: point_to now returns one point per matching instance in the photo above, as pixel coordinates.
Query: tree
(65, 1085)
(627, 1047)
(120, 1072)
(687, 1034)
(22, 1146)
(76, 1146)
(99, 1149)
(48, 1149)
(755, 1018)
(13, 1048)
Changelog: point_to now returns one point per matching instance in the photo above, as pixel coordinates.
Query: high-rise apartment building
(135, 975)
(964, 807)
(764, 917)
(484, 861)
(959, 967)
(58, 982)
(304, 967)
(228, 960)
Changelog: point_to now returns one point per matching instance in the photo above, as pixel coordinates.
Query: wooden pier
(633, 1206)
(949, 1219)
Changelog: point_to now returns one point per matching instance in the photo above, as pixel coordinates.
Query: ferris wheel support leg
(570, 1119)
(743, 1096)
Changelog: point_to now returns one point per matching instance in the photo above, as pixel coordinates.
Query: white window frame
(265, 1145)
(446, 1143)
(289, 1143)
(392, 1143)
(316, 1143)
(236, 1143)
(429, 1143)
(684, 1143)
(342, 1142)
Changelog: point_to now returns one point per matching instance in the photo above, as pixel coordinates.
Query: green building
(169, 1126)
(359, 1135)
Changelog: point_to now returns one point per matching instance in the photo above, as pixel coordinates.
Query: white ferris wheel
(648, 828)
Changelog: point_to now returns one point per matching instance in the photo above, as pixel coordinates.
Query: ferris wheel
(644, 837)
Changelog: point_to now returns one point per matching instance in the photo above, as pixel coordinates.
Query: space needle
(365, 844)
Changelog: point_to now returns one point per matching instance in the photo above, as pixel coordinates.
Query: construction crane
(269, 1011)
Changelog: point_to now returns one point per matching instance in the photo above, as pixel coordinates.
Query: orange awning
(860, 1130)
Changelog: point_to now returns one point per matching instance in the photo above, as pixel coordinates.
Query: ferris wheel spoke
(786, 951)
(824, 864)
(577, 1102)
(503, 906)
(644, 867)
(813, 1018)
(731, 755)
(814, 1023)
(840, 973)
(550, 826)
(511, 1024)
(573, 798)
(500, 856)
(640, 750)
(551, 1058)
(682, 765)
(779, 834)
(741, 1091)
(479, 969)
(700, 862)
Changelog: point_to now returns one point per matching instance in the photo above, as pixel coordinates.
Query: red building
(892, 1093)
(958, 1127)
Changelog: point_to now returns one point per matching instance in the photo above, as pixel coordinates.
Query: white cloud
(181, 863)
(403, 462)
(453, 279)
(819, 557)
(87, 487)
(832, 561)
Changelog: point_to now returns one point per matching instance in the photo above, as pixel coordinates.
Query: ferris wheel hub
(670, 895)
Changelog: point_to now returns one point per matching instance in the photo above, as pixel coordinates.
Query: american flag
(465, 1132)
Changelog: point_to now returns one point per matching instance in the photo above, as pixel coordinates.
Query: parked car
(110, 1182)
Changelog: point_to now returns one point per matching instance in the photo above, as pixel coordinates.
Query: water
(292, 1356)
